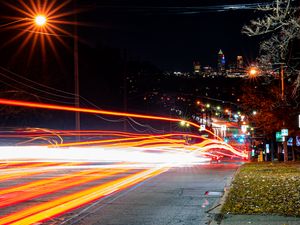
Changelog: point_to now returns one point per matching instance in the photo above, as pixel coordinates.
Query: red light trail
(59, 205)
(86, 110)
(146, 156)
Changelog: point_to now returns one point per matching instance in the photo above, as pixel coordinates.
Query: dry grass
(265, 188)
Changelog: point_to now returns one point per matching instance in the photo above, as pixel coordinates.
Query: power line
(183, 9)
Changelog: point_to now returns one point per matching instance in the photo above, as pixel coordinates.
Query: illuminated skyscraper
(239, 62)
(197, 68)
(221, 62)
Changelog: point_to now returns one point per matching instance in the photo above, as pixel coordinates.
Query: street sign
(202, 127)
(297, 141)
(223, 127)
(290, 142)
(278, 137)
(267, 148)
(244, 128)
(284, 132)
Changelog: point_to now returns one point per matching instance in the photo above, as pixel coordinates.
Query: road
(109, 193)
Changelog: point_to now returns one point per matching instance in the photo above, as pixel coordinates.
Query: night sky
(168, 35)
(171, 34)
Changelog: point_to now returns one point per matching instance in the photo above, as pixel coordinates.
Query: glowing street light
(40, 20)
(182, 123)
(253, 72)
(43, 20)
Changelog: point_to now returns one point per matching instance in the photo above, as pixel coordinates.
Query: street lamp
(40, 20)
(45, 18)
(253, 72)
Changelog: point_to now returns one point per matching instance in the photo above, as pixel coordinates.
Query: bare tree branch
(281, 26)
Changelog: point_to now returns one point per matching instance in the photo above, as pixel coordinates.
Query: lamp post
(76, 75)
(40, 21)
(284, 143)
(43, 18)
(282, 81)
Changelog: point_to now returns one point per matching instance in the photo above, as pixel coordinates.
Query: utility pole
(76, 75)
(284, 143)
(282, 81)
(125, 88)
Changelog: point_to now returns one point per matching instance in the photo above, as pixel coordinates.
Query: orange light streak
(38, 189)
(121, 140)
(87, 110)
(66, 203)
(59, 133)
(147, 141)
(155, 142)
(214, 144)
(35, 184)
(26, 173)
(31, 165)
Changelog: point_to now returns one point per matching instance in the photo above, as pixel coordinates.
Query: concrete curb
(215, 211)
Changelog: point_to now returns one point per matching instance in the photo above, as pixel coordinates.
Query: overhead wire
(66, 96)
(164, 9)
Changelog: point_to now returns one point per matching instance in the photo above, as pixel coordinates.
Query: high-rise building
(197, 68)
(239, 62)
(221, 62)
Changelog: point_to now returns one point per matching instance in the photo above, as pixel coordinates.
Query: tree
(264, 98)
(280, 27)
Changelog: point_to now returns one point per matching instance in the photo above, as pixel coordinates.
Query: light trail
(120, 140)
(146, 155)
(161, 151)
(177, 142)
(96, 111)
(66, 203)
(37, 189)
(34, 184)
(27, 172)
(32, 164)
(208, 145)
(87, 110)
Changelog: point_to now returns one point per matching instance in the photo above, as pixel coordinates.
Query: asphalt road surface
(109, 193)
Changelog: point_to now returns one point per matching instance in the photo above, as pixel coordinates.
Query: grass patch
(265, 188)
